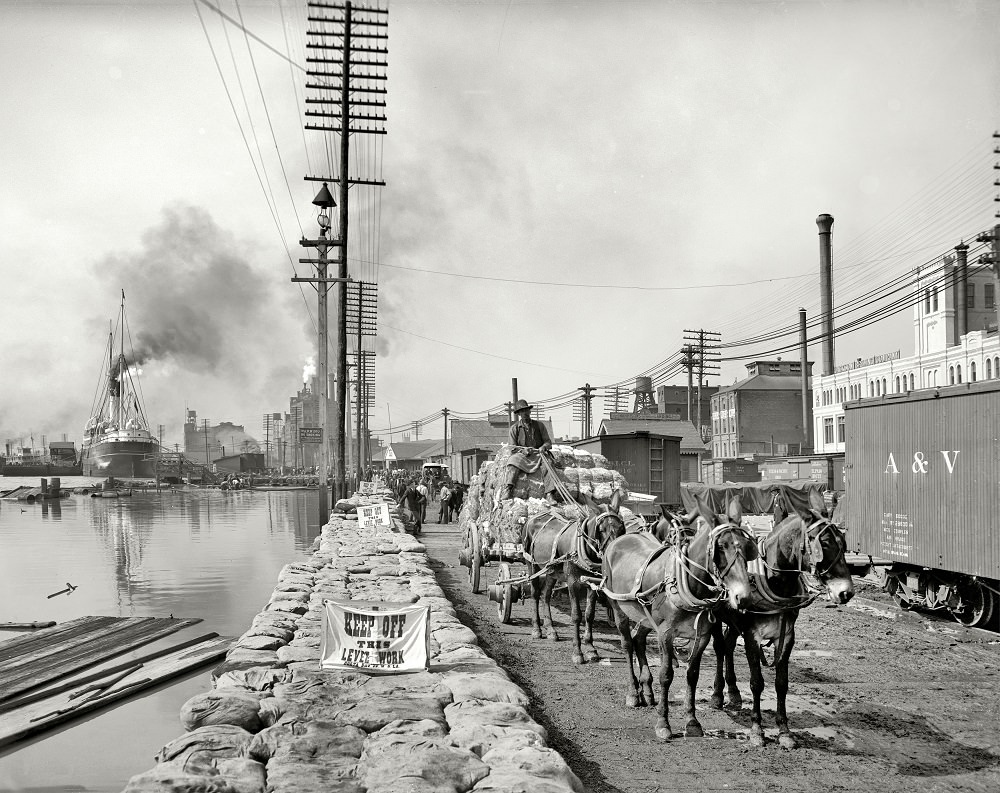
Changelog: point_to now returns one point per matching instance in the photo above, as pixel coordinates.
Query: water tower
(645, 402)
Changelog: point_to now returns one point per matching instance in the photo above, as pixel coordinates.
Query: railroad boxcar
(649, 461)
(923, 492)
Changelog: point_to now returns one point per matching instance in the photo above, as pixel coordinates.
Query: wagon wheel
(476, 559)
(503, 607)
(977, 605)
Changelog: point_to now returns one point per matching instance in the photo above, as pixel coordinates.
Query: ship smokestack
(825, 223)
(962, 291)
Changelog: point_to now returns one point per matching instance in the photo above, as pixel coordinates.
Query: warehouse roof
(766, 382)
(410, 450)
(691, 440)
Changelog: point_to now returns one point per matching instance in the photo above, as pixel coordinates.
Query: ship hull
(126, 459)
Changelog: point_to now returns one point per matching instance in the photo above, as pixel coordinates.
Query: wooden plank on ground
(26, 626)
(40, 662)
(48, 713)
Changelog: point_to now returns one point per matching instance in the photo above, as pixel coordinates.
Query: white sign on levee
(373, 515)
(386, 639)
(366, 488)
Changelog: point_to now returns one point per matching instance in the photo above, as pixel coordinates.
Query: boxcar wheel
(880, 575)
(892, 587)
(977, 605)
(476, 560)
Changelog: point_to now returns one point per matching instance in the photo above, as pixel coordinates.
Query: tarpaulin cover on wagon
(756, 498)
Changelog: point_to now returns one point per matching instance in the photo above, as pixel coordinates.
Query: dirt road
(879, 700)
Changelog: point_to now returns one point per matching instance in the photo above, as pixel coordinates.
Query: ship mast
(121, 363)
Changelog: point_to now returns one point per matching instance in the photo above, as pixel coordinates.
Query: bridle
(815, 549)
(593, 546)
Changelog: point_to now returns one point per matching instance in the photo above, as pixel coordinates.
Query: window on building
(934, 299)
(885, 388)
(970, 295)
(972, 371)
(989, 369)
(989, 296)
(927, 301)
(958, 372)
(828, 430)
(774, 367)
(951, 375)
(841, 430)
(897, 385)
(912, 382)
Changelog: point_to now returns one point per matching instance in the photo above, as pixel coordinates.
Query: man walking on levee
(531, 441)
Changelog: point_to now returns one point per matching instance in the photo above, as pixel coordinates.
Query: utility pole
(689, 363)
(804, 348)
(700, 344)
(587, 416)
(324, 201)
(204, 425)
(358, 381)
(444, 412)
(340, 25)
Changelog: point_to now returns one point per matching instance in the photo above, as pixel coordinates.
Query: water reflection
(212, 555)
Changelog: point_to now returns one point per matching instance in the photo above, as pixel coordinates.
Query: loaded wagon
(923, 493)
(492, 526)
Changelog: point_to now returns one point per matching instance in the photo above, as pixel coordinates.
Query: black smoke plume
(192, 295)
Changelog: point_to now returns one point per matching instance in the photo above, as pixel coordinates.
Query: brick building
(672, 400)
(761, 414)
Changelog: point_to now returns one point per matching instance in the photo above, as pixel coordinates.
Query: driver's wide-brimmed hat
(522, 404)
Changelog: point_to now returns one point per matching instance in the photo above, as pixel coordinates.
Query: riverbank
(274, 721)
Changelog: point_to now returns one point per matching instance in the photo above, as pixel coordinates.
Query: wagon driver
(527, 434)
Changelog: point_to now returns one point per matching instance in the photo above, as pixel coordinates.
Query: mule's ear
(706, 513)
(616, 499)
(753, 548)
(816, 502)
(735, 511)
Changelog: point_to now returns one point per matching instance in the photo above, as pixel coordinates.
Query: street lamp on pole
(323, 200)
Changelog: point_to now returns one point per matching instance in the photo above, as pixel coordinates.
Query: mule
(674, 590)
(804, 542)
(556, 550)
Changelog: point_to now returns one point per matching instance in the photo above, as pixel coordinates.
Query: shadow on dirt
(908, 741)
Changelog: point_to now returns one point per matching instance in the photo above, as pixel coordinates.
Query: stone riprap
(276, 722)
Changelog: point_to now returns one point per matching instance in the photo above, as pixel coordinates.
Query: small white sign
(370, 638)
(366, 488)
(374, 515)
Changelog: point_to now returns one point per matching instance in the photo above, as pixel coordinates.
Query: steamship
(116, 439)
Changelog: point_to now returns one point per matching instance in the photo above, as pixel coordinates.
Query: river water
(185, 552)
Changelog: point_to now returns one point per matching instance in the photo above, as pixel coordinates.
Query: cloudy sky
(570, 187)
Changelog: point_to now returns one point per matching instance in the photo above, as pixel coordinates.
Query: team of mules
(692, 580)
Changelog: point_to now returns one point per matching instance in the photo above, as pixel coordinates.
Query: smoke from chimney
(191, 296)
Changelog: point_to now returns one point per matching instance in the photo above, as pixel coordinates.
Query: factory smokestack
(825, 223)
(961, 292)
